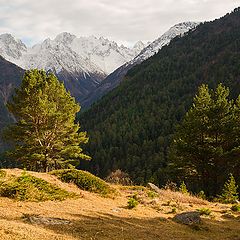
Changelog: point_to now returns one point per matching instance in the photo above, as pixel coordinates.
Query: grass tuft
(152, 194)
(30, 188)
(2, 173)
(84, 180)
(235, 208)
(204, 211)
(132, 203)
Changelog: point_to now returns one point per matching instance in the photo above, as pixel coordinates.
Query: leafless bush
(119, 177)
(171, 186)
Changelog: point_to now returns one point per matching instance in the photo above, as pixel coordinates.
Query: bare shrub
(171, 186)
(119, 177)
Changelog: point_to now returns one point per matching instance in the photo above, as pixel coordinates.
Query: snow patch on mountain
(11, 48)
(177, 30)
(57, 55)
(69, 52)
(106, 54)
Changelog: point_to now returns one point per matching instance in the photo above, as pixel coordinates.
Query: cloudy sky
(125, 21)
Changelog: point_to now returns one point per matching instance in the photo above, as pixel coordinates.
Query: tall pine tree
(234, 138)
(45, 134)
(201, 146)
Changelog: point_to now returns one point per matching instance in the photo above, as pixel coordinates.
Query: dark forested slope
(10, 78)
(132, 126)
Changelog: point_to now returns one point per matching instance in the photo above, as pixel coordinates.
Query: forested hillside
(131, 128)
(10, 78)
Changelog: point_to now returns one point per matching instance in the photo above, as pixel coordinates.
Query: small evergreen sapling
(183, 188)
(230, 194)
(202, 195)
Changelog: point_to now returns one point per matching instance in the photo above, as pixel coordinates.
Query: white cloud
(123, 21)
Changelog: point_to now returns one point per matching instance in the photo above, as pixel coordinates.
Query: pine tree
(183, 188)
(230, 194)
(188, 149)
(200, 149)
(234, 139)
(44, 134)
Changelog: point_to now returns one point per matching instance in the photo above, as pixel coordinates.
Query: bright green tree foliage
(183, 188)
(230, 194)
(45, 134)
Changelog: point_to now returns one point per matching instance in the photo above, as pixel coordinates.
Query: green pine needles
(230, 194)
(206, 144)
(183, 188)
(45, 134)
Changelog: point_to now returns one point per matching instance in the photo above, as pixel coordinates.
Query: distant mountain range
(82, 63)
(88, 66)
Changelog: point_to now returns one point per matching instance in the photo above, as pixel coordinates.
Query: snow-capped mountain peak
(64, 38)
(177, 30)
(106, 54)
(69, 52)
(139, 46)
(11, 48)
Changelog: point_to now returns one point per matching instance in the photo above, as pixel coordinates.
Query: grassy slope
(95, 217)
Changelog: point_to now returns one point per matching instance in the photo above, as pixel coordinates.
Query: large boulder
(188, 218)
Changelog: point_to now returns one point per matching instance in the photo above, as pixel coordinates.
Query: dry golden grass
(93, 217)
(179, 197)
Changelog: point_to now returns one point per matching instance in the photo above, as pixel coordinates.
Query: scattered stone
(153, 187)
(154, 202)
(36, 219)
(228, 216)
(188, 218)
(223, 207)
(116, 210)
(224, 211)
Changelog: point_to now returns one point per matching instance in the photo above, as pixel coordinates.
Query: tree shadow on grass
(107, 226)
